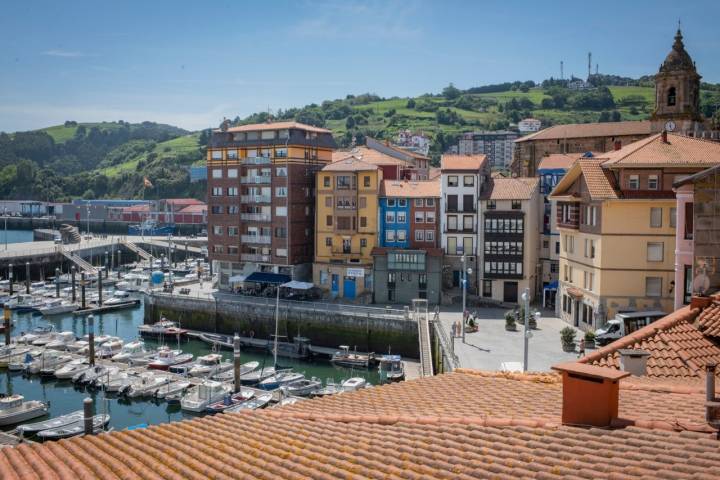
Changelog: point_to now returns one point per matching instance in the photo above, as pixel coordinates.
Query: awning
(552, 285)
(237, 279)
(298, 285)
(575, 292)
(267, 277)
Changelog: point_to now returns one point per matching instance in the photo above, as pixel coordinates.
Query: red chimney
(618, 144)
(664, 136)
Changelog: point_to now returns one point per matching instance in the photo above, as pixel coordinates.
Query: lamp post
(527, 333)
(465, 271)
(87, 210)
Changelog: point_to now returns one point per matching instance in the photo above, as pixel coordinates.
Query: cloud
(64, 53)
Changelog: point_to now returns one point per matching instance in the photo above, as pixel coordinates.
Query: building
(414, 141)
(509, 230)
(261, 180)
(408, 261)
(346, 227)
(393, 167)
(697, 235)
(462, 180)
(616, 215)
(496, 145)
(198, 173)
(528, 125)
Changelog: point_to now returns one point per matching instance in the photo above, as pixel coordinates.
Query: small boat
(61, 341)
(15, 409)
(20, 362)
(345, 358)
(152, 228)
(245, 368)
(131, 351)
(298, 348)
(230, 401)
(288, 401)
(253, 404)
(146, 384)
(391, 368)
(119, 382)
(70, 369)
(211, 363)
(225, 341)
(119, 297)
(90, 376)
(77, 346)
(24, 303)
(162, 328)
(280, 379)
(11, 354)
(303, 387)
(166, 357)
(352, 384)
(57, 422)
(57, 306)
(200, 396)
(72, 429)
(49, 360)
(109, 348)
(173, 388)
(256, 376)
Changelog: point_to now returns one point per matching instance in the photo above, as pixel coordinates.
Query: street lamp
(465, 272)
(87, 210)
(527, 333)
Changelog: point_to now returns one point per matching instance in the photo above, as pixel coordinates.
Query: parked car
(624, 324)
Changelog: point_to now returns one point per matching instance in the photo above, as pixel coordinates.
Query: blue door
(335, 285)
(456, 278)
(349, 287)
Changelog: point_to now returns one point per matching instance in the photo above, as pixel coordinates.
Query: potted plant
(532, 322)
(510, 324)
(471, 325)
(590, 339)
(567, 339)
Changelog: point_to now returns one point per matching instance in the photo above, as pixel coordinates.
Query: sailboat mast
(277, 309)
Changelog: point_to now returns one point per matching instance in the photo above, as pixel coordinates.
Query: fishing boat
(166, 357)
(130, 352)
(61, 341)
(345, 358)
(57, 306)
(230, 401)
(72, 429)
(15, 409)
(70, 369)
(57, 422)
(352, 384)
(303, 387)
(200, 396)
(162, 328)
(146, 384)
(391, 368)
(245, 368)
(211, 363)
(280, 379)
(254, 403)
(173, 388)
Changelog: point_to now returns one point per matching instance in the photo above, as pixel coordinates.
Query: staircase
(134, 248)
(70, 234)
(420, 312)
(83, 266)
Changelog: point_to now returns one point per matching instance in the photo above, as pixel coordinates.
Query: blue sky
(192, 63)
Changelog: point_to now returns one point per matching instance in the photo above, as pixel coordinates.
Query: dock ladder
(134, 248)
(420, 312)
(82, 264)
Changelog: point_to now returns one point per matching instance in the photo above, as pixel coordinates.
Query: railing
(348, 251)
(256, 217)
(254, 257)
(641, 194)
(255, 198)
(460, 230)
(264, 239)
(256, 161)
(255, 179)
(450, 360)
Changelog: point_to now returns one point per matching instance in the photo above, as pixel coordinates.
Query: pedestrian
(581, 348)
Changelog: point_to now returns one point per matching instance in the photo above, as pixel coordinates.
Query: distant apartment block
(528, 125)
(496, 145)
(413, 141)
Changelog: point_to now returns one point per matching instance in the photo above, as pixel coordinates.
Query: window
(216, 209)
(652, 182)
(429, 217)
(401, 235)
(328, 201)
(590, 215)
(343, 181)
(554, 268)
(216, 154)
(653, 286)
(689, 221)
(588, 278)
(487, 288)
(429, 235)
(390, 235)
(468, 180)
(363, 222)
(673, 217)
(362, 202)
(419, 235)
(232, 191)
(232, 249)
(284, 133)
(233, 209)
(491, 205)
(422, 281)
(217, 191)
(429, 202)
(251, 153)
(655, 217)
(217, 249)
(363, 242)
(233, 231)
(390, 202)
(655, 251)
(406, 261)
(634, 182)
(418, 202)
(280, 232)
(467, 222)
(401, 217)
(452, 181)
(328, 220)
(281, 191)
(589, 248)
(402, 202)
(389, 217)
(217, 173)
(232, 154)
(281, 252)
(266, 152)
(232, 172)
(328, 241)
(452, 246)
(326, 182)
(546, 244)
(557, 248)
(671, 97)
(516, 205)
(366, 181)
(281, 171)
(267, 134)
(281, 211)
(281, 153)
(217, 230)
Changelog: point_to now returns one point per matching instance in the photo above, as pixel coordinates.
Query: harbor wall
(96, 226)
(369, 330)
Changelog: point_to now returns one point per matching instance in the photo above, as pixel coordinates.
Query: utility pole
(464, 290)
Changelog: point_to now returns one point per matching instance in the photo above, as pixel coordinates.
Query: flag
(147, 183)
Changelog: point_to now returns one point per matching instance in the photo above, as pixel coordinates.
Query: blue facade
(394, 221)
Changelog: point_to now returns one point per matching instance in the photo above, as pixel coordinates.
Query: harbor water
(15, 236)
(64, 397)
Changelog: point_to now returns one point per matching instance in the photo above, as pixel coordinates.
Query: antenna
(562, 72)
(589, 64)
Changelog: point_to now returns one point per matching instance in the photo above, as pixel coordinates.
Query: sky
(191, 64)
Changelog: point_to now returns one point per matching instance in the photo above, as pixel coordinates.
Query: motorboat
(49, 360)
(78, 346)
(12, 353)
(131, 351)
(98, 371)
(391, 368)
(57, 306)
(303, 387)
(254, 403)
(345, 358)
(119, 297)
(256, 376)
(280, 379)
(352, 384)
(57, 422)
(298, 348)
(70, 369)
(200, 396)
(288, 401)
(15, 409)
(61, 341)
(182, 368)
(36, 333)
(230, 401)
(20, 362)
(162, 328)
(211, 363)
(109, 348)
(245, 368)
(116, 382)
(72, 429)
(216, 339)
(166, 357)
(24, 303)
(146, 384)
(173, 388)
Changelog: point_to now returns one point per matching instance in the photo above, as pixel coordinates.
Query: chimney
(700, 302)
(634, 361)
(664, 136)
(712, 405)
(617, 145)
(590, 394)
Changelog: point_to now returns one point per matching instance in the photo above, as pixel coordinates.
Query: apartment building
(261, 181)
(497, 145)
(462, 178)
(509, 232)
(617, 222)
(346, 227)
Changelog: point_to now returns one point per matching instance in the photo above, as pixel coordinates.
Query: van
(624, 324)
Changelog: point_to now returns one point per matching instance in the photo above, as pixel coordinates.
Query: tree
(350, 123)
(410, 103)
(615, 116)
(451, 92)
(88, 194)
(604, 117)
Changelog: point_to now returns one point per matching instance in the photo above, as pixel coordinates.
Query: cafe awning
(298, 285)
(237, 279)
(267, 277)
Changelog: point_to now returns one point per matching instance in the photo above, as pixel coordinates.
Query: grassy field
(61, 133)
(169, 149)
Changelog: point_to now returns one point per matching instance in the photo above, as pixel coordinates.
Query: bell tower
(677, 93)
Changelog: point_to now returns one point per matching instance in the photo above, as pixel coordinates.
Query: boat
(57, 422)
(162, 328)
(109, 348)
(131, 351)
(230, 401)
(181, 368)
(49, 360)
(298, 348)
(211, 363)
(36, 333)
(254, 403)
(70, 369)
(19, 363)
(72, 429)
(24, 303)
(345, 358)
(354, 383)
(280, 379)
(11, 354)
(61, 341)
(173, 388)
(288, 401)
(146, 384)
(78, 346)
(98, 371)
(200, 396)
(15, 409)
(151, 227)
(303, 387)
(391, 368)
(119, 382)
(119, 297)
(166, 357)
(245, 368)
(57, 306)
(225, 341)
(256, 376)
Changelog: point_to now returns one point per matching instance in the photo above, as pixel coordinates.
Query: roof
(558, 161)
(267, 277)
(511, 188)
(484, 427)
(434, 172)
(371, 156)
(708, 322)
(587, 130)
(599, 181)
(194, 209)
(677, 349)
(183, 201)
(697, 176)
(462, 162)
(277, 126)
(410, 189)
(678, 59)
(349, 164)
(679, 150)
(399, 149)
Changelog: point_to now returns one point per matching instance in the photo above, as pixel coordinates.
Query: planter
(568, 347)
(589, 343)
(511, 328)
(471, 329)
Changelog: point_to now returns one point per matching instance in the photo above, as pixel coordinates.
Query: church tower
(677, 93)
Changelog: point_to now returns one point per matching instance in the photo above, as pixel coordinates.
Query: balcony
(256, 161)
(256, 179)
(255, 198)
(449, 209)
(653, 194)
(460, 230)
(261, 239)
(346, 251)
(254, 257)
(256, 217)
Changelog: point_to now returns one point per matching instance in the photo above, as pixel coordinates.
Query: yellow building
(616, 215)
(346, 227)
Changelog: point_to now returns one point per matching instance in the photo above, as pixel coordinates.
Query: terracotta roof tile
(370, 155)
(679, 150)
(558, 161)
(708, 322)
(277, 126)
(600, 183)
(411, 189)
(511, 188)
(462, 162)
(587, 130)
(349, 164)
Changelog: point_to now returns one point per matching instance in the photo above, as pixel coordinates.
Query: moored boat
(254, 403)
(56, 422)
(162, 328)
(173, 388)
(303, 387)
(345, 358)
(15, 409)
(230, 401)
(77, 428)
(200, 396)
(245, 368)
(146, 384)
(211, 363)
(166, 357)
(70, 369)
(280, 379)
(352, 384)
(130, 352)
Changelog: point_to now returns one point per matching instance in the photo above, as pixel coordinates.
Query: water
(15, 236)
(64, 397)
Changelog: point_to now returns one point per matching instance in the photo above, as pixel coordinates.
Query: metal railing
(256, 217)
(255, 198)
(256, 179)
(451, 360)
(256, 160)
(264, 239)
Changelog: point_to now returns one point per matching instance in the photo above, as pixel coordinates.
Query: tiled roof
(588, 130)
(677, 349)
(277, 126)
(679, 150)
(556, 161)
(349, 164)
(510, 188)
(462, 425)
(600, 182)
(411, 189)
(183, 201)
(462, 162)
(370, 156)
(434, 172)
(194, 209)
(708, 322)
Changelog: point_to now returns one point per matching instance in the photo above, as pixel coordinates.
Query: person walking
(581, 348)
